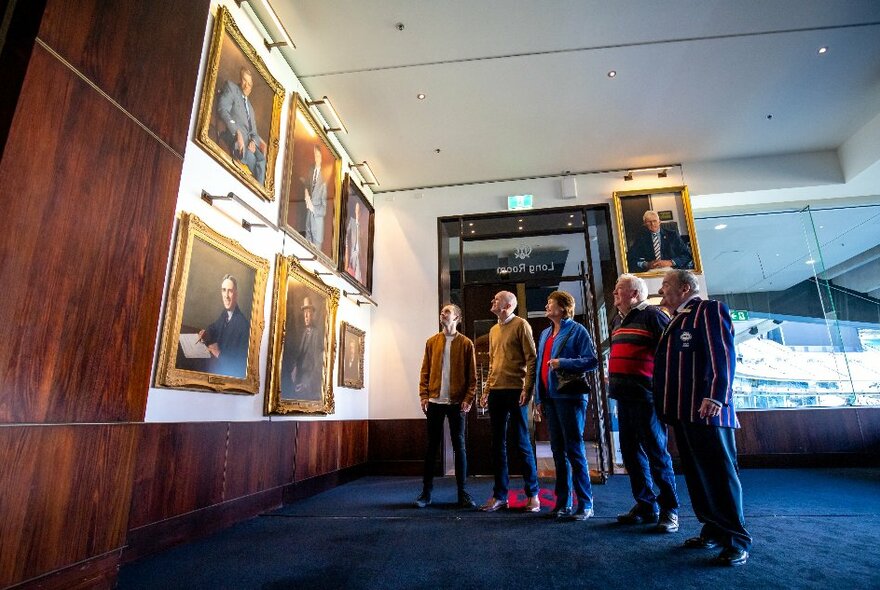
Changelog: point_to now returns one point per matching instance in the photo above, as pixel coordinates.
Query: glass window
(803, 287)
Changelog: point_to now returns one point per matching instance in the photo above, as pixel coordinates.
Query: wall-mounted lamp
(237, 208)
(364, 166)
(359, 298)
(327, 111)
(660, 170)
(267, 18)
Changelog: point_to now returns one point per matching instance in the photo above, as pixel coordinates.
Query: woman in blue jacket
(565, 345)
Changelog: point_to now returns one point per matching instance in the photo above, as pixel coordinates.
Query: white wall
(202, 172)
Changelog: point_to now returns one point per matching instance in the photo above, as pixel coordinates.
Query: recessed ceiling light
(810, 261)
(519, 220)
(473, 231)
(471, 224)
(612, 73)
(823, 50)
(569, 223)
(420, 96)
(721, 226)
(436, 150)
(520, 227)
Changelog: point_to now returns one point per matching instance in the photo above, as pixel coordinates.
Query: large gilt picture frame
(662, 212)
(213, 314)
(356, 237)
(302, 344)
(311, 186)
(351, 356)
(239, 120)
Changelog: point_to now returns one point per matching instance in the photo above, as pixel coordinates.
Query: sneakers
(560, 512)
(668, 522)
(582, 514)
(638, 515)
(493, 504)
(732, 557)
(424, 499)
(465, 501)
(533, 505)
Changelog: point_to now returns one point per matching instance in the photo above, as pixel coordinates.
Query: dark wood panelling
(397, 447)
(321, 483)
(187, 527)
(317, 448)
(869, 424)
(65, 495)
(99, 573)
(179, 468)
(144, 55)
(833, 430)
(353, 440)
(88, 200)
(260, 457)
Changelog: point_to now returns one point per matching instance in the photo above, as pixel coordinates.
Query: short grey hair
(228, 277)
(511, 299)
(686, 277)
(636, 283)
(650, 213)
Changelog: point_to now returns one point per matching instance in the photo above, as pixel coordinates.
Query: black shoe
(732, 557)
(423, 500)
(638, 515)
(465, 501)
(700, 543)
(668, 522)
(582, 514)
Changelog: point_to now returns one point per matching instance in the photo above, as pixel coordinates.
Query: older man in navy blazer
(693, 374)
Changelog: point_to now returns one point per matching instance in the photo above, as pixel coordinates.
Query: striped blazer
(696, 359)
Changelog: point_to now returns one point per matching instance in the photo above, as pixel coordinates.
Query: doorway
(531, 254)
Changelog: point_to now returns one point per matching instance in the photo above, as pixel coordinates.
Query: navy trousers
(708, 457)
(565, 419)
(504, 410)
(643, 446)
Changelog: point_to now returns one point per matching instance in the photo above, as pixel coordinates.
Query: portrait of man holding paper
(214, 305)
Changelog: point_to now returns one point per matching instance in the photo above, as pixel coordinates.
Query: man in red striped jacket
(693, 375)
(635, 331)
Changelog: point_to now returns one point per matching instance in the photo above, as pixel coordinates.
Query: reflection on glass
(804, 291)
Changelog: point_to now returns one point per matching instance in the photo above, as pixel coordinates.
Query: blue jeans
(643, 446)
(504, 409)
(565, 418)
(436, 414)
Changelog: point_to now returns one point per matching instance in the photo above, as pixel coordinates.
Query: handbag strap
(564, 340)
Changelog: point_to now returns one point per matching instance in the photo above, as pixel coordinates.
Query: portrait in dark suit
(310, 191)
(213, 320)
(240, 109)
(303, 342)
(351, 356)
(656, 231)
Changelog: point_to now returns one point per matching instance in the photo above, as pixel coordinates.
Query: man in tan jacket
(447, 388)
(508, 391)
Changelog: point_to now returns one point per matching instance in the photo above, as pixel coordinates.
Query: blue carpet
(813, 528)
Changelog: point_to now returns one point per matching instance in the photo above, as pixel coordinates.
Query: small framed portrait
(309, 209)
(656, 231)
(239, 116)
(213, 314)
(356, 243)
(302, 343)
(351, 356)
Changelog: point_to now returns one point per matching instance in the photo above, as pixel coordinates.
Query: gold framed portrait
(239, 120)
(213, 314)
(351, 356)
(356, 235)
(302, 344)
(310, 203)
(656, 231)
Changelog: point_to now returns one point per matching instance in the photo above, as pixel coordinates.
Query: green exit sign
(515, 202)
(739, 315)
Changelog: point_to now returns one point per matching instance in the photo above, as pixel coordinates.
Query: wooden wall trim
(98, 572)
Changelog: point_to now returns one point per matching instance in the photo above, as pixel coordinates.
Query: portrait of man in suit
(315, 198)
(228, 336)
(236, 111)
(303, 366)
(656, 248)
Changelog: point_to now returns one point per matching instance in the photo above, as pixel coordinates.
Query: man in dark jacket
(693, 378)
(656, 248)
(228, 337)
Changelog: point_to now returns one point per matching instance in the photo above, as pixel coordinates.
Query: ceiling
(520, 88)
